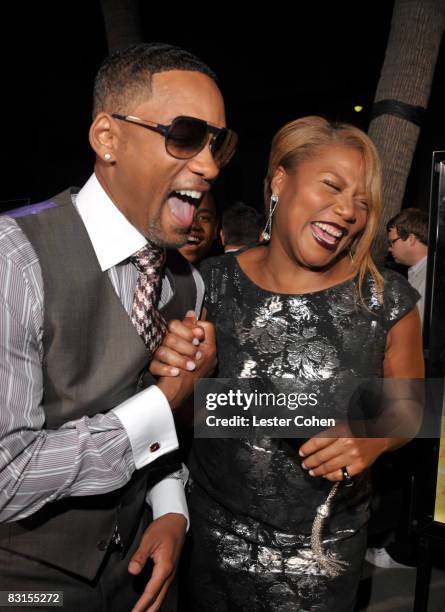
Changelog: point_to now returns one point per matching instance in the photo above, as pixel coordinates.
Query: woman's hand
(327, 456)
(180, 349)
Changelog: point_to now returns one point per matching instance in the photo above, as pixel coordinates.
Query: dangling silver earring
(272, 206)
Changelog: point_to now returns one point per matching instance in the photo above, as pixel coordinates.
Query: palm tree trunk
(407, 74)
(122, 23)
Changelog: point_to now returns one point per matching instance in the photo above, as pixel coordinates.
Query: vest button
(154, 447)
(102, 545)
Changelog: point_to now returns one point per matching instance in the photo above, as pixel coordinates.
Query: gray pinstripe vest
(93, 360)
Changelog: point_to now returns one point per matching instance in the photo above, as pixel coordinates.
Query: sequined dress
(252, 504)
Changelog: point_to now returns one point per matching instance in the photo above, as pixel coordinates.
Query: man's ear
(221, 235)
(278, 180)
(411, 240)
(102, 137)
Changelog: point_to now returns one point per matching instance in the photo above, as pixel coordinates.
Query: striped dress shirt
(87, 456)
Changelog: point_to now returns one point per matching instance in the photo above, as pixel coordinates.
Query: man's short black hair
(125, 75)
(241, 224)
(410, 221)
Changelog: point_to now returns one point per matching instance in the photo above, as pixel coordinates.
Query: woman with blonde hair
(274, 526)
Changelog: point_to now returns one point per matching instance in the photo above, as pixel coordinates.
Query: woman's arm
(404, 353)
(403, 361)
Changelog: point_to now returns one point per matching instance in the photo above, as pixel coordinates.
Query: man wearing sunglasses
(86, 433)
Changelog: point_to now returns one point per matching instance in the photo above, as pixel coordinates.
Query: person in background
(408, 244)
(203, 233)
(240, 227)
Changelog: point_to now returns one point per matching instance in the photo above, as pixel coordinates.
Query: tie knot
(149, 259)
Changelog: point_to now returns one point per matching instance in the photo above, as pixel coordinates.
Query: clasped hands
(187, 353)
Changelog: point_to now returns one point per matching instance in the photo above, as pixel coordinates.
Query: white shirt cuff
(148, 421)
(168, 495)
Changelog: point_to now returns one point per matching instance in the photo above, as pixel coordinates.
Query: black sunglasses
(185, 137)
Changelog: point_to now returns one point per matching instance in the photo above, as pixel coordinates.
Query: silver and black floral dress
(252, 504)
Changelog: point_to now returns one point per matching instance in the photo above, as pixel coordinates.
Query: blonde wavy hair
(301, 140)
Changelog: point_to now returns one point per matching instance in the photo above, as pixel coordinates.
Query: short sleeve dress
(252, 504)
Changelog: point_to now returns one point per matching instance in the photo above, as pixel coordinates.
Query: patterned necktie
(145, 316)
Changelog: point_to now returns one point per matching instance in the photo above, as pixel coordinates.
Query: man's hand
(179, 386)
(162, 543)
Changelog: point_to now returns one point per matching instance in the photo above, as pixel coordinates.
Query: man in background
(203, 232)
(241, 227)
(408, 244)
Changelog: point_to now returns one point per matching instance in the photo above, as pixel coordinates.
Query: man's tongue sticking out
(181, 211)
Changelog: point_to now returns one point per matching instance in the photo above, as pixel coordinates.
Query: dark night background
(273, 66)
